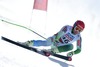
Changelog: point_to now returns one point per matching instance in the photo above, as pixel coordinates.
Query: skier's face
(77, 30)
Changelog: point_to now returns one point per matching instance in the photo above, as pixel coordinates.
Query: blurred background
(46, 21)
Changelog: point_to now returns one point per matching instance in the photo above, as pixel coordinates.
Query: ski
(42, 52)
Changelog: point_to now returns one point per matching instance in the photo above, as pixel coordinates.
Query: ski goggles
(77, 28)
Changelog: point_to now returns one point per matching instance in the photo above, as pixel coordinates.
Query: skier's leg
(64, 48)
(46, 42)
(36, 43)
(40, 43)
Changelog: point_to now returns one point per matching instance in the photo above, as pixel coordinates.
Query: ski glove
(70, 54)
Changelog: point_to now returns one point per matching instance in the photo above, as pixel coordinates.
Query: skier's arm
(63, 30)
(78, 50)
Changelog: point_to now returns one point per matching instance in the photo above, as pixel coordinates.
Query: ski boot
(27, 43)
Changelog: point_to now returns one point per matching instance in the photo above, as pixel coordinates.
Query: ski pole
(22, 27)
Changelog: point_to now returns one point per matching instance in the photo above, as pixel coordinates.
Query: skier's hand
(70, 54)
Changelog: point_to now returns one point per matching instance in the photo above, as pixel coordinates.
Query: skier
(62, 41)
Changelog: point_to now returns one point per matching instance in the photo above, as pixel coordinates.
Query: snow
(60, 13)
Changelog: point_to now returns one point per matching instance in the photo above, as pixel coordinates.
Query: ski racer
(62, 40)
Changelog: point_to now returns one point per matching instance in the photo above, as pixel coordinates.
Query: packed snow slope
(59, 13)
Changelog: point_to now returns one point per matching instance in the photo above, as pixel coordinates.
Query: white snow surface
(59, 13)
